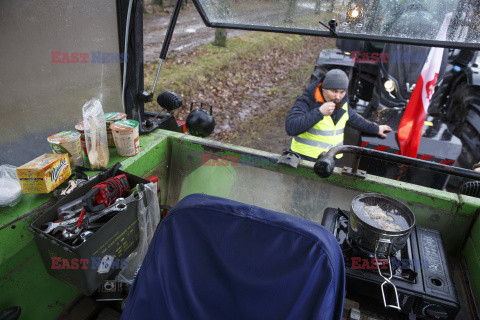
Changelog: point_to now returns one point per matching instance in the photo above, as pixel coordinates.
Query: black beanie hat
(335, 79)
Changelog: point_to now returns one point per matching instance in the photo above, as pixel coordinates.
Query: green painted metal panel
(475, 235)
(154, 160)
(24, 282)
(468, 205)
(433, 208)
(14, 234)
(28, 201)
(154, 151)
(456, 234)
(199, 181)
(473, 263)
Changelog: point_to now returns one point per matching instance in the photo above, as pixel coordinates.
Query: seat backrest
(214, 258)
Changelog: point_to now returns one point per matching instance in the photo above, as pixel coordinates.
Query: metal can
(67, 142)
(125, 134)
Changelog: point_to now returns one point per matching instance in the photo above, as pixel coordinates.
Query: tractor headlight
(389, 85)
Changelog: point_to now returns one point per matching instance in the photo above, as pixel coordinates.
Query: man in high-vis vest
(318, 118)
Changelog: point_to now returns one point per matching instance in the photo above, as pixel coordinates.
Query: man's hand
(382, 129)
(327, 108)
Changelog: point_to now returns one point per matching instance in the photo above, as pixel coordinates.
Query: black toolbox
(86, 266)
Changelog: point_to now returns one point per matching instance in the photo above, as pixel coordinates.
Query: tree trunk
(291, 11)
(220, 37)
(318, 6)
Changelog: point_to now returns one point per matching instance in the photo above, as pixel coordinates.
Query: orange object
(184, 126)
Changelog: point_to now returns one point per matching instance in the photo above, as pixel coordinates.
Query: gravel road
(190, 32)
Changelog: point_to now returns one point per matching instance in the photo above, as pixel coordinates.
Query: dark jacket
(305, 114)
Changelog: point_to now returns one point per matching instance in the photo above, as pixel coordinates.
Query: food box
(45, 173)
(88, 265)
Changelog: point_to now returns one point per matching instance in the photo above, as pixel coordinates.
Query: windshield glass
(409, 21)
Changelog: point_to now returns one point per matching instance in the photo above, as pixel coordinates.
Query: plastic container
(81, 129)
(10, 189)
(95, 134)
(125, 134)
(112, 117)
(81, 266)
(67, 142)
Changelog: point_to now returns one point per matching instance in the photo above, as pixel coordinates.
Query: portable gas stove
(419, 271)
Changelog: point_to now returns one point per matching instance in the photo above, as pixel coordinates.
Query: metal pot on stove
(378, 224)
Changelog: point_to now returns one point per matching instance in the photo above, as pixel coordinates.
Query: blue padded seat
(214, 258)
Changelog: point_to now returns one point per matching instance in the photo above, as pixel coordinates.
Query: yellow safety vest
(323, 136)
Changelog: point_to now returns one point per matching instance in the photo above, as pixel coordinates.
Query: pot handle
(387, 280)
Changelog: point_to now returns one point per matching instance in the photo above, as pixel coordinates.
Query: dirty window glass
(410, 19)
(56, 55)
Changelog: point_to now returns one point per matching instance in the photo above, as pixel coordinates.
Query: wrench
(73, 233)
(53, 227)
(135, 196)
(82, 238)
(120, 204)
(68, 214)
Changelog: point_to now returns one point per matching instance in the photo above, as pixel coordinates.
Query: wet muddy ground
(189, 33)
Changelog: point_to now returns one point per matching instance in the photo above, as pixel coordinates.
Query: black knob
(324, 166)
(437, 312)
(144, 97)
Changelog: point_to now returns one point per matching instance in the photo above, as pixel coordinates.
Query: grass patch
(251, 83)
(186, 75)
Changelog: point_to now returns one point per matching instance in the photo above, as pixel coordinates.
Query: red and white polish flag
(411, 126)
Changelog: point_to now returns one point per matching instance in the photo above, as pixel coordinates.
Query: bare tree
(220, 33)
(290, 11)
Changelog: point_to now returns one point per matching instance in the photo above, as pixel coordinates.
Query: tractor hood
(398, 21)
